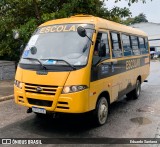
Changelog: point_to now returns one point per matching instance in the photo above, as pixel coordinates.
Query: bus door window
(135, 46)
(97, 44)
(116, 45)
(105, 45)
(126, 45)
(102, 45)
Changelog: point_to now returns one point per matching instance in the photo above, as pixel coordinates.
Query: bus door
(100, 70)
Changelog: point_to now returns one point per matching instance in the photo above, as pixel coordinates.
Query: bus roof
(98, 22)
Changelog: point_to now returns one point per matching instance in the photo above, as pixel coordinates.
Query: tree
(132, 1)
(138, 19)
(26, 15)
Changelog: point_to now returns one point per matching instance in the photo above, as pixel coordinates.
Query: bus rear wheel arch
(135, 93)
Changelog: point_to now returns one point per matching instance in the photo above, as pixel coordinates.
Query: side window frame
(107, 43)
(146, 45)
(138, 49)
(142, 49)
(120, 54)
(129, 44)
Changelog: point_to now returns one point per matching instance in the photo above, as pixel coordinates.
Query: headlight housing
(73, 88)
(18, 84)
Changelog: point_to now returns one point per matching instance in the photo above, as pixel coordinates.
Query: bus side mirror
(102, 50)
(16, 35)
(81, 31)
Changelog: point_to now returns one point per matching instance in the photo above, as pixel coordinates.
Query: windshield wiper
(74, 68)
(36, 60)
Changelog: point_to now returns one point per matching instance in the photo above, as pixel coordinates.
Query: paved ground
(6, 89)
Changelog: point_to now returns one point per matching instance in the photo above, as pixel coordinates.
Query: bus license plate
(39, 110)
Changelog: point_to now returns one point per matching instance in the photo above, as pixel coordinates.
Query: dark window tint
(126, 45)
(142, 45)
(146, 46)
(102, 42)
(135, 46)
(116, 45)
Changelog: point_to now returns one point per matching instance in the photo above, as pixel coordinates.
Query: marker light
(18, 84)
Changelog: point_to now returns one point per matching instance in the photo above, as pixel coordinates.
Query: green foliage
(15, 15)
(138, 19)
(132, 1)
(26, 15)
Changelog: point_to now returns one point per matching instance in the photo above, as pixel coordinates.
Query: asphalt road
(127, 119)
(6, 88)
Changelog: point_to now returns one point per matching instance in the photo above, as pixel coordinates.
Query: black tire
(137, 90)
(129, 95)
(135, 93)
(101, 111)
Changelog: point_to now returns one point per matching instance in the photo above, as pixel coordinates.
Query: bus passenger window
(126, 45)
(102, 42)
(116, 45)
(135, 46)
(142, 45)
(146, 46)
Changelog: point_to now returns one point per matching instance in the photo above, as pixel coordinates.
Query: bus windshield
(52, 44)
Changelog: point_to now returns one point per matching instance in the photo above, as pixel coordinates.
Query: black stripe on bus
(108, 69)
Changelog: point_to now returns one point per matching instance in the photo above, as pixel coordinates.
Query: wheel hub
(103, 112)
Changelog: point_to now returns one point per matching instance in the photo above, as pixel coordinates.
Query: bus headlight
(74, 88)
(18, 84)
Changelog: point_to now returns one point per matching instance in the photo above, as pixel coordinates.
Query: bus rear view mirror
(16, 35)
(81, 31)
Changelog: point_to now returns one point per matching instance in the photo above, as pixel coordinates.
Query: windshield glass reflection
(59, 42)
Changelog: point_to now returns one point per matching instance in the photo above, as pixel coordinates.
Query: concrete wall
(7, 70)
(150, 28)
(153, 31)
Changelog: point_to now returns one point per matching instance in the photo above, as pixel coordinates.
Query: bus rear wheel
(101, 112)
(135, 93)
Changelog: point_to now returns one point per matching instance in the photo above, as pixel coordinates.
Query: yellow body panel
(28, 76)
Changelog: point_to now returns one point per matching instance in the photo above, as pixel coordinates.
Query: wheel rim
(103, 111)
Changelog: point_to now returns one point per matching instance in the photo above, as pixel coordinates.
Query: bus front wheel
(101, 112)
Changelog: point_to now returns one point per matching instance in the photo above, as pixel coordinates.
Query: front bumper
(67, 103)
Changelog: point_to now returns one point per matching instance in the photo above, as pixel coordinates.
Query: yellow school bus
(81, 64)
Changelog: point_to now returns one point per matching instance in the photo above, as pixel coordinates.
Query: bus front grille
(39, 102)
(41, 89)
